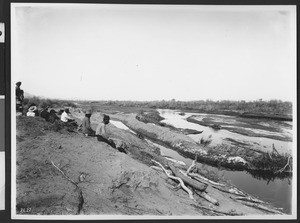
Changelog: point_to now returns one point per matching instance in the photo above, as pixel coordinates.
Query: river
(278, 192)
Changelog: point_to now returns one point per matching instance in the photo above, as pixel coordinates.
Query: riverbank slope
(62, 172)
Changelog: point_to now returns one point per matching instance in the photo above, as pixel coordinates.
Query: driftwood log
(230, 190)
(193, 183)
(258, 206)
(208, 198)
(229, 213)
(198, 176)
(202, 194)
(177, 179)
(201, 178)
(250, 199)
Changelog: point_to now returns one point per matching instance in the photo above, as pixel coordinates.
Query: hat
(106, 117)
(32, 109)
(52, 111)
(88, 112)
(19, 83)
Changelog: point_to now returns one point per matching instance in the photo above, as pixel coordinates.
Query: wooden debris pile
(194, 183)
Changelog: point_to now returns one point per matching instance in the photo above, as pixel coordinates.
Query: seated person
(101, 132)
(53, 116)
(32, 111)
(86, 124)
(65, 117)
(45, 114)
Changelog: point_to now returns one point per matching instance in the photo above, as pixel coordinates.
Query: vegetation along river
(276, 191)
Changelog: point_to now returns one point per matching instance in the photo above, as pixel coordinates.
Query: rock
(81, 177)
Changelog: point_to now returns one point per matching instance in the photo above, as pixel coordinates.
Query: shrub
(205, 142)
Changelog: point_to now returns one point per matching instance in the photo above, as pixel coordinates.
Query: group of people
(66, 117)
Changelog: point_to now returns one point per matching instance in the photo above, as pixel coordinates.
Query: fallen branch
(156, 168)
(194, 184)
(195, 175)
(176, 161)
(64, 174)
(275, 150)
(80, 196)
(178, 179)
(230, 191)
(258, 206)
(203, 194)
(250, 199)
(192, 166)
(208, 198)
(230, 213)
(287, 164)
(238, 192)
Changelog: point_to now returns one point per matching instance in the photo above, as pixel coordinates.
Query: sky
(154, 52)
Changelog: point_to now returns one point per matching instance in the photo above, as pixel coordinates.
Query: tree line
(275, 107)
(272, 107)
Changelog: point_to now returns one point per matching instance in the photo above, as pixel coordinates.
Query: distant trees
(275, 107)
(272, 107)
(43, 103)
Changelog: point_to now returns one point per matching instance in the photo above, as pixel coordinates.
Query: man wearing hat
(101, 133)
(19, 96)
(52, 116)
(32, 111)
(86, 124)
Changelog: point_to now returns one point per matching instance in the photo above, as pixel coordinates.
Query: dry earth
(111, 182)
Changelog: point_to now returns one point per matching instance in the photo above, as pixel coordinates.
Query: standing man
(19, 97)
(86, 124)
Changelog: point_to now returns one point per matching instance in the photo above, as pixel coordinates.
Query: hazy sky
(155, 52)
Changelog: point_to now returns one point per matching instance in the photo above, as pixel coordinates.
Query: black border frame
(5, 50)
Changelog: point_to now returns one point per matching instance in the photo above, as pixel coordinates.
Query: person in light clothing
(65, 116)
(32, 111)
(102, 134)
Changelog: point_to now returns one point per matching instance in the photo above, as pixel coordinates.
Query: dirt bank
(61, 172)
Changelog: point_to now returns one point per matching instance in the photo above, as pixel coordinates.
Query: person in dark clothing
(86, 124)
(45, 114)
(19, 97)
(52, 116)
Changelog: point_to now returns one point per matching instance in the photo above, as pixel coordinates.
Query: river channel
(278, 192)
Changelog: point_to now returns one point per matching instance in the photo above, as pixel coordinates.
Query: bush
(205, 142)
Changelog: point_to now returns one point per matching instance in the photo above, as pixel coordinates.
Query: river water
(277, 192)
(219, 136)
